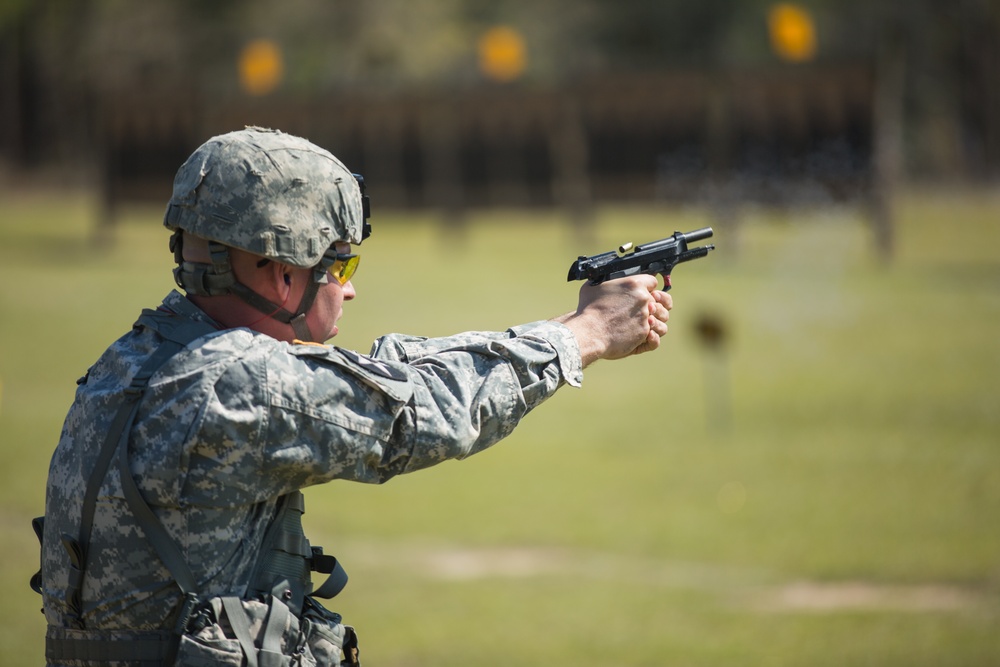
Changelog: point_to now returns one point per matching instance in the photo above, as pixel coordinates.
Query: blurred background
(806, 474)
(454, 104)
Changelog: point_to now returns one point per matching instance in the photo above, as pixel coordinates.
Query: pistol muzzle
(697, 235)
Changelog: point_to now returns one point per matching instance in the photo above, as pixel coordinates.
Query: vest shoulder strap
(177, 333)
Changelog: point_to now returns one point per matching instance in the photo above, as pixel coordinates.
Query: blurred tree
(41, 80)
(55, 55)
(646, 35)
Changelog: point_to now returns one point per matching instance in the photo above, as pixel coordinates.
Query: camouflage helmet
(269, 193)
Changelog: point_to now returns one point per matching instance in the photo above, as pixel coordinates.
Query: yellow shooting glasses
(341, 266)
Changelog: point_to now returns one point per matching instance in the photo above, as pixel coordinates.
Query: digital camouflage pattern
(269, 193)
(237, 418)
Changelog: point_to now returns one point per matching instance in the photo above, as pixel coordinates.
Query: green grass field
(824, 490)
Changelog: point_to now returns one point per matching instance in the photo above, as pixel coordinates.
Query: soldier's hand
(619, 318)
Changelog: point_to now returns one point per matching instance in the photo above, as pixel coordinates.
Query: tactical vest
(282, 570)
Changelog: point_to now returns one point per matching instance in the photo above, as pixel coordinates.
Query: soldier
(172, 532)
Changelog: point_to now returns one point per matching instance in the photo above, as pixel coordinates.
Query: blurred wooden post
(713, 334)
(725, 188)
(15, 79)
(440, 140)
(504, 126)
(571, 189)
(382, 144)
(890, 80)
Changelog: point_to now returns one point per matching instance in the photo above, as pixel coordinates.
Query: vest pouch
(227, 630)
(330, 641)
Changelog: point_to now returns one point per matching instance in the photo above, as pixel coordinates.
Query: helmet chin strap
(278, 312)
(217, 278)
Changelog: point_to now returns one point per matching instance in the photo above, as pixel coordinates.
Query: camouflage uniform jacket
(237, 419)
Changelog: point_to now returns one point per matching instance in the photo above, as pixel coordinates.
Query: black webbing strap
(287, 555)
(179, 330)
(38, 525)
(196, 278)
(273, 310)
(117, 436)
(256, 301)
(166, 547)
(156, 650)
(337, 579)
(153, 650)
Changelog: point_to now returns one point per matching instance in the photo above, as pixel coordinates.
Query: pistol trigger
(666, 283)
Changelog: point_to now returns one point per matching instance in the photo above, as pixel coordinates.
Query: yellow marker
(793, 35)
(261, 67)
(308, 342)
(503, 54)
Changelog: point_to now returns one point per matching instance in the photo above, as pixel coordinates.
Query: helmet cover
(269, 193)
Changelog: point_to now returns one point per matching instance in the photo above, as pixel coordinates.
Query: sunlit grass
(844, 438)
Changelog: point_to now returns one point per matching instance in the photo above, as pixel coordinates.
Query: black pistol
(654, 258)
